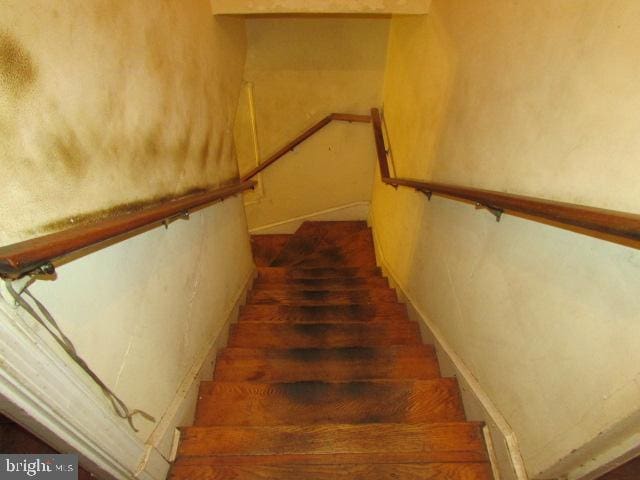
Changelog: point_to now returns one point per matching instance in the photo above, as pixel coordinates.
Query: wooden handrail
(37, 254)
(620, 225)
(340, 117)
(380, 148)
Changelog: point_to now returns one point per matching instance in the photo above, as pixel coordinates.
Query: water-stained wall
(104, 104)
(537, 98)
(302, 69)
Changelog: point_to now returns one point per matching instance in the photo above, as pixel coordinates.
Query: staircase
(325, 377)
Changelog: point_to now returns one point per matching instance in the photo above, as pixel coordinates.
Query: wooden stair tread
(335, 283)
(321, 297)
(273, 273)
(328, 245)
(323, 313)
(325, 377)
(250, 403)
(322, 335)
(337, 364)
(266, 248)
(332, 439)
(324, 354)
(364, 471)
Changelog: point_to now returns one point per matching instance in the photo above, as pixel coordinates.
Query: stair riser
(324, 313)
(328, 335)
(326, 365)
(281, 273)
(323, 284)
(321, 297)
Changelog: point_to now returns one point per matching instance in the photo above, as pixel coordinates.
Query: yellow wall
(106, 103)
(302, 69)
(537, 98)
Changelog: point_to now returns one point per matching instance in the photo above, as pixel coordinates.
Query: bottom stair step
(333, 444)
(432, 471)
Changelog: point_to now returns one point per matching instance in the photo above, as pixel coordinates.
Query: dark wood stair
(325, 377)
(416, 362)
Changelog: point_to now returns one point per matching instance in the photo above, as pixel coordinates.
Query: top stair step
(266, 248)
(322, 244)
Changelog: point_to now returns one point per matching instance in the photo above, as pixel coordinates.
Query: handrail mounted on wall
(618, 225)
(35, 255)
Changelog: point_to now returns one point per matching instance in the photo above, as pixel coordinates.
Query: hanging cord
(119, 407)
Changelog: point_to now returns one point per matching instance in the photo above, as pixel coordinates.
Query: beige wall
(143, 311)
(302, 69)
(537, 98)
(107, 103)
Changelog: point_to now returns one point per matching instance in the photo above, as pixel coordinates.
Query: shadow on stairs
(325, 377)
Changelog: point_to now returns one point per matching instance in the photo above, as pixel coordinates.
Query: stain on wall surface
(17, 71)
(105, 104)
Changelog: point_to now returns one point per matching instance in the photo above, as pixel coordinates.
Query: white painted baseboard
(351, 211)
(506, 456)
